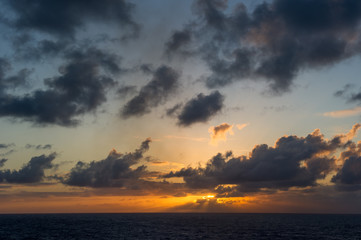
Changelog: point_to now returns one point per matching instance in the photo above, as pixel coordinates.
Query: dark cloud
(8, 149)
(63, 18)
(147, 68)
(173, 111)
(178, 39)
(13, 81)
(27, 48)
(7, 153)
(2, 162)
(343, 91)
(348, 176)
(292, 162)
(163, 84)
(112, 171)
(355, 97)
(348, 93)
(274, 42)
(38, 147)
(80, 88)
(125, 91)
(5, 146)
(201, 108)
(32, 172)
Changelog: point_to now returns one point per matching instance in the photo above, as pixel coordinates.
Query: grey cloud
(38, 147)
(63, 18)
(201, 108)
(356, 97)
(343, 91)
(125, 91)
(32, 172)
(5, 146)
(12, 81)
(147, 68)
(347, 93)
(80, 88)
(2, 162)
(173, 111)
(348, 176)
(112, 171)
(163, 84)
(178, 40)
(274, 42)
(7, 153)
(292, 162)
(27, 48)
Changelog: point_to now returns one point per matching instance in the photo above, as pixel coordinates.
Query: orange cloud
(343, 113)
(200, 139)
(241, 126)
(219, 132)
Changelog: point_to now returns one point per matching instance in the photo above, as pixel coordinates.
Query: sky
(180, 106)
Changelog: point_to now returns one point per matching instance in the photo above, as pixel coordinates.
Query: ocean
(179, 226)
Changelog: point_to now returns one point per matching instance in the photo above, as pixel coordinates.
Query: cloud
(201, 108)
(13, 81)
(7, 153)
(196, 139)
(292, 162)
(32, 172)
(79, 89)
(177, 40)
(348, 176)
(343, 113)
(64, 18)
(113, 171)
(27, 48)
(38, 147)
(273, 42)
(2, 162)
(125, 91)
(241, 126)
(174, 111)
(219, 132)
(5, 146)
(8, 149)
(343, 91)
(163, 84)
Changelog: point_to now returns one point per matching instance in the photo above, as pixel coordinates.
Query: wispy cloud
(200, 139)
(343, 113)
(241, 126)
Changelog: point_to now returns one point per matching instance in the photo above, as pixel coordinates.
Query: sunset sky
(180, 106)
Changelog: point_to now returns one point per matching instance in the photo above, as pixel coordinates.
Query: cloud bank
(274, 42)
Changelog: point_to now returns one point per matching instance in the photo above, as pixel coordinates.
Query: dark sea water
(180, 226)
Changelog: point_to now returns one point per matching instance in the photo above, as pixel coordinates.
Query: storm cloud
(165, 82)
(201, 108)
(273, 42)
(293, 162)
(113, 171)
(32, 172)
